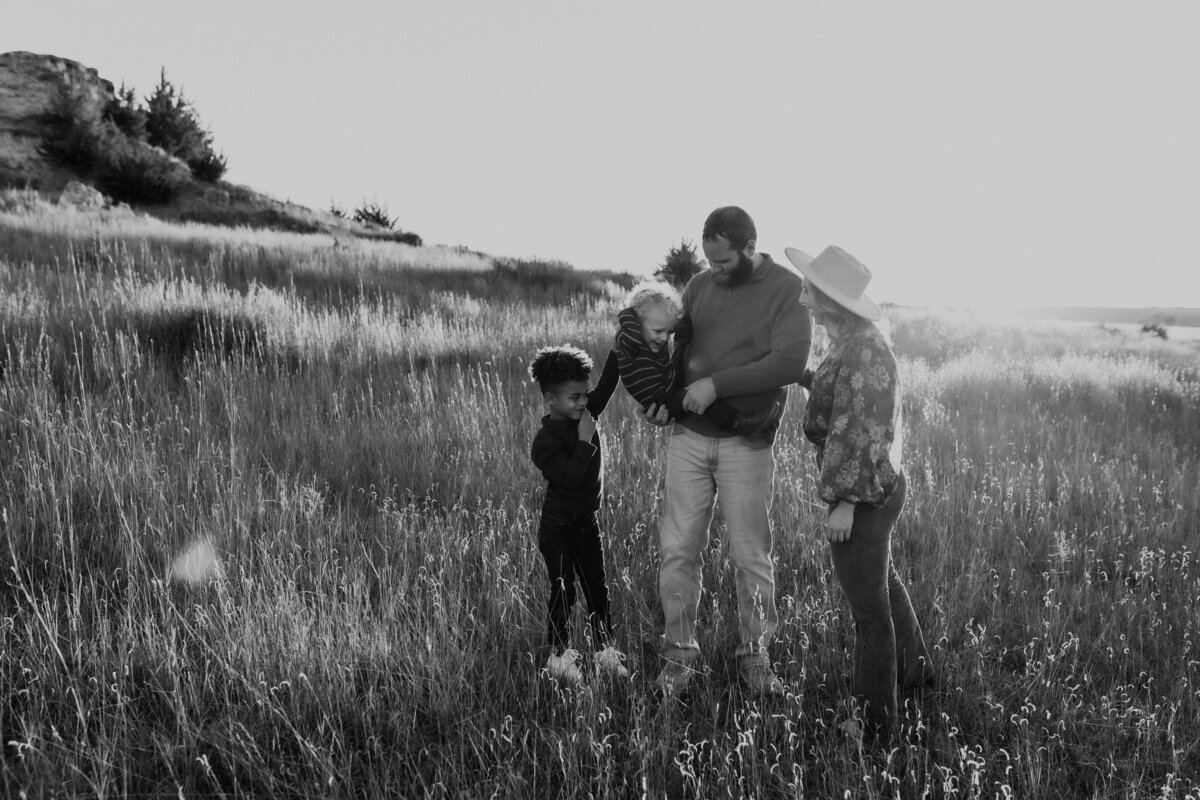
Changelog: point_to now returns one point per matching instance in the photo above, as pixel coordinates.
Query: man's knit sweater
(751, 339)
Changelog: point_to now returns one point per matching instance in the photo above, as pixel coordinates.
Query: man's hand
(841, 520)
(700, 395)
(657, 415)
(587, 426)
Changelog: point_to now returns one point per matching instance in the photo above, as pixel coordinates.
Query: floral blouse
(853, 418)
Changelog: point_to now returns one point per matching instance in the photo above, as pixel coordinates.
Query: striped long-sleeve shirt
(648, 376)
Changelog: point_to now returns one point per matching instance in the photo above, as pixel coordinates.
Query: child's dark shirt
(574, 470)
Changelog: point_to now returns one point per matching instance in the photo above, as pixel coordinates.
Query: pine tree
(172, 124)
(681, 264)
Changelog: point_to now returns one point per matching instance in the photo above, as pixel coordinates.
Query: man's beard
(739, 274)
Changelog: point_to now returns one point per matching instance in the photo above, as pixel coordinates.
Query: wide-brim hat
(840, 276)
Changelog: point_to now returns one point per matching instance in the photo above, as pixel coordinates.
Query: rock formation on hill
(29, 86)
(32, 88)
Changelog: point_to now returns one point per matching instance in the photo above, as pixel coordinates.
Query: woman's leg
(863, 567)
(912, 658)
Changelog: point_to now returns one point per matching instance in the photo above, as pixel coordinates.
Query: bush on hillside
(210, 167)
(375, 214)
(78, 134)
(409, 238)
(173, 125)
(127, 114)
(120, 147)
(400, 237)
(680, 265)
(245, 215)
(93, 143)
(131, 172)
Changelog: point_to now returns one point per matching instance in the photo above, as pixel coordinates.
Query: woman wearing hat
(853, 419)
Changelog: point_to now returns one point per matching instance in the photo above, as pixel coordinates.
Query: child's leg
(674, 404)
(589, 565)
(721, 414)
(556, 545)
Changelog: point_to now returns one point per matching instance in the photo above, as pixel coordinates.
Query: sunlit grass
(359, 466)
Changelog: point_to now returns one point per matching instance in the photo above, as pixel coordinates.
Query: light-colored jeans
(701, 469)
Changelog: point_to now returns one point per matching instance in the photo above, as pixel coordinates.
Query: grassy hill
(62, 123)
(270, 530)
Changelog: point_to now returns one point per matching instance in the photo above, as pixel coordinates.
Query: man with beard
(750, 340)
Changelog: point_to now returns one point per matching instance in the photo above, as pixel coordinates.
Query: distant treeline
(1187, 317)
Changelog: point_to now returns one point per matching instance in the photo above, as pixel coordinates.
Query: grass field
(346, 427)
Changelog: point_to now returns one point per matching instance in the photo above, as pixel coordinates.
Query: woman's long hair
(839, 323)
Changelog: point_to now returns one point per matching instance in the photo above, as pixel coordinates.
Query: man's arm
(791, 338)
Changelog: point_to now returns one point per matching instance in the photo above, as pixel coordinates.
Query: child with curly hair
(566, 449)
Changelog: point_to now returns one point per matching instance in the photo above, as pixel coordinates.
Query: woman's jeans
(887, 635)
(571, 546)
(701, 469)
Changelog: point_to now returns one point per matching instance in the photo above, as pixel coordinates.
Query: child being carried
(652, 374)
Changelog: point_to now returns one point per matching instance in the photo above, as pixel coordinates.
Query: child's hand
(657, 415)
(587, 426)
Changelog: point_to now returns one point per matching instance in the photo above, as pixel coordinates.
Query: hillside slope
(31, 86)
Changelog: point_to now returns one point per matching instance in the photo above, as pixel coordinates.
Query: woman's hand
(841, 520)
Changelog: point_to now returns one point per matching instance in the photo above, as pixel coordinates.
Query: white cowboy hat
(839, 275)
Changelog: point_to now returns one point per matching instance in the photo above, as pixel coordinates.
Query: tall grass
(359, 464)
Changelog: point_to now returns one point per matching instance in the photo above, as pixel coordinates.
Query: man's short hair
(732, 223)
(649, 294)
(554, 366)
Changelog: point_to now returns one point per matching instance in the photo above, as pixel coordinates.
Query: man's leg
(682, 537)
(743, 476)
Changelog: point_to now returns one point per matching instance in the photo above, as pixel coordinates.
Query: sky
(1023, 153)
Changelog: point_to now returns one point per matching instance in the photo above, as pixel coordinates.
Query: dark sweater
(574, 470)
(751, 339)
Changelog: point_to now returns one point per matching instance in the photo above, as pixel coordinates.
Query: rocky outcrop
(81, 196)
(29, 87)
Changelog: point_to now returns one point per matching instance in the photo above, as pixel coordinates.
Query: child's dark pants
(571, 546)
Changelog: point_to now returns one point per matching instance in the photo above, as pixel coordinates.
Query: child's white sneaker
(608, 662)
(565, 668)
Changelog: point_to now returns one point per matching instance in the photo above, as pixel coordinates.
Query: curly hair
(553, 366)
(653, 293)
